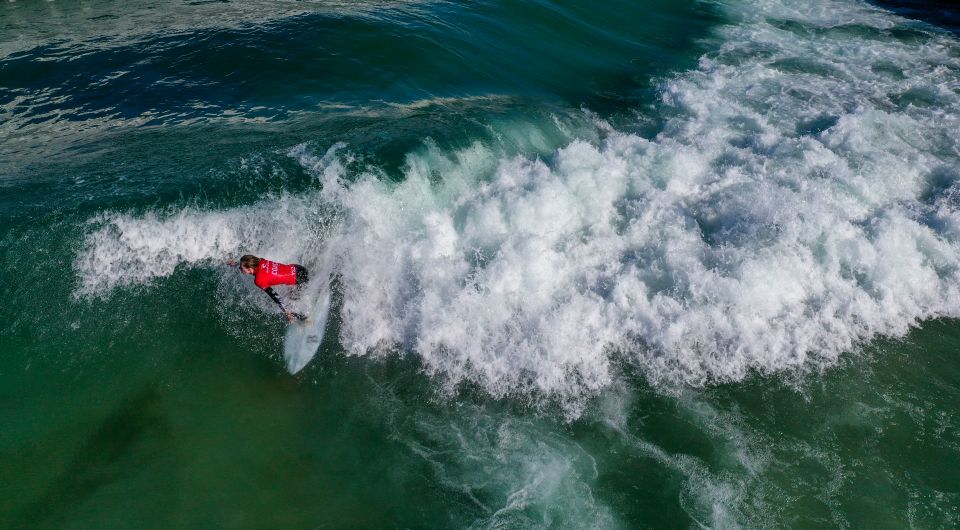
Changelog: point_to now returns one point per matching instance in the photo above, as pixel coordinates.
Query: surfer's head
(248, 264)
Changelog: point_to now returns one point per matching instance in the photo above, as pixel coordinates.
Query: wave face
(800, 199)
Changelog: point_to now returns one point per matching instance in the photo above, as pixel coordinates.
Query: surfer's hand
(290, 316)
(231, 262)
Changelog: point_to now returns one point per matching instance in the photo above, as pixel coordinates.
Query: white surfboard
(303, 337)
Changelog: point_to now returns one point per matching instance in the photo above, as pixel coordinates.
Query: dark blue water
(943, 14)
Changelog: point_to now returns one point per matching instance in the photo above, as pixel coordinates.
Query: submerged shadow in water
(103, 459)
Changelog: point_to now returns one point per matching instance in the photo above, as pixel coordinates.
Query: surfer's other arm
(276, 298)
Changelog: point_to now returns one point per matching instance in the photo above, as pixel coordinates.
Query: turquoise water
(653, 265)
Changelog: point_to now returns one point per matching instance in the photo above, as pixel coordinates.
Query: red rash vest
(270, 273)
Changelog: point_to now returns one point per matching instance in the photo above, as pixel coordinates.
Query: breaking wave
(800, 199)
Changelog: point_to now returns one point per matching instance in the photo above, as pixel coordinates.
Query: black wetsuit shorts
(302, 275)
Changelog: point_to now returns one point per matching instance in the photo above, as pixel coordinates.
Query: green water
(142, 383)
(195, 434)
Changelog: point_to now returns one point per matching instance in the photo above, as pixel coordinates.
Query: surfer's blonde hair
(249, 261)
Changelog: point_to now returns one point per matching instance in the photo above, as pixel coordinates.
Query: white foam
(508, 472)
(784, 215)
(123, 249)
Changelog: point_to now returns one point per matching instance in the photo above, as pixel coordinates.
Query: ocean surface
(630, 264)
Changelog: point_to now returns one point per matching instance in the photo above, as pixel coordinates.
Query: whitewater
(799, 200)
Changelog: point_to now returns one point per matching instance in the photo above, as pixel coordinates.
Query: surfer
(268, 273)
